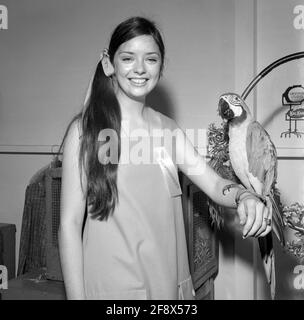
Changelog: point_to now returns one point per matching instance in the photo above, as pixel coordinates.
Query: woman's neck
(132, 110)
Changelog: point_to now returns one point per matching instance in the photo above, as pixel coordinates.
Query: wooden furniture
(201, 240)
(52, 201)
(42, 278)
(8, 248)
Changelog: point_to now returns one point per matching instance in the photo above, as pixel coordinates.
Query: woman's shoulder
(73, 132)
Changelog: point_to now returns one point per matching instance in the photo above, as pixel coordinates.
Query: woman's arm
(73, 203)
(251, 211)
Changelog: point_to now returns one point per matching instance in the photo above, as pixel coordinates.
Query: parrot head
(232, 107)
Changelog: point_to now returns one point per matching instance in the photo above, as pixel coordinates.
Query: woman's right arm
(73, 202)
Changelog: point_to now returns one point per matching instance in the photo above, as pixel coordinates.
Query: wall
(49, 53)
(277, 37)
(236, 259)
(264, 32)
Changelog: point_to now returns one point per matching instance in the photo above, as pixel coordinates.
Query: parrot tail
(268, 259)
(277, 218)
(266, 243)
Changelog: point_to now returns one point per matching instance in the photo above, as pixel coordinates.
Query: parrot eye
(237, 100)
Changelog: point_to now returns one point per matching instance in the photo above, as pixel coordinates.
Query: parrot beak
(224, 110)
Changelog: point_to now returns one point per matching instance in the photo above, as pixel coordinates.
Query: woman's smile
(138, 82)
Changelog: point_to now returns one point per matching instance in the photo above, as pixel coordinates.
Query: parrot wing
(262, 157)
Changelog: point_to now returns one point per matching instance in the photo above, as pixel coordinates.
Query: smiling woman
(133, 244)
(134, 248)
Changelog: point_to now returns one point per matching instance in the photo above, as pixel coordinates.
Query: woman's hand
(255, 217)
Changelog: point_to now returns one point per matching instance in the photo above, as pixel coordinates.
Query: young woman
(117, 168)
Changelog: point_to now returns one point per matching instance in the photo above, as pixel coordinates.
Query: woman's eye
(152, 60)
(126, 59)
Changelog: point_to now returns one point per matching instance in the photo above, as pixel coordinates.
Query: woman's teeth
(138, 81)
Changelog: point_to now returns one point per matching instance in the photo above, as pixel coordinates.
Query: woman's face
(137, 64)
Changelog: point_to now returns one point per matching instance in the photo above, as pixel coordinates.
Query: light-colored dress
(140, 252)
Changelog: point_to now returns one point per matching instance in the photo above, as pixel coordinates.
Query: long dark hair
(102, 111)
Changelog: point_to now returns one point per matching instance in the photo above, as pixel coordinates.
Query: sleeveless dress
(140, 252)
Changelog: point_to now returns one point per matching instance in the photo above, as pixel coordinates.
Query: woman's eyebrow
(154, 52)
(131, 52)
(128, 52)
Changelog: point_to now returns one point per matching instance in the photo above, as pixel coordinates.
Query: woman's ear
(107, 66)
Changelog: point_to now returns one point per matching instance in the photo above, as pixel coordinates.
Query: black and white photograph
(152, 150)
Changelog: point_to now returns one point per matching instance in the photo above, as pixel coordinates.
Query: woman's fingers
(242, 213)
(256, 218)
(269, 227)
(256, 208)
(251, 216)
(264, 222)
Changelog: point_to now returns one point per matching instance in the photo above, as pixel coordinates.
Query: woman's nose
(139, 67)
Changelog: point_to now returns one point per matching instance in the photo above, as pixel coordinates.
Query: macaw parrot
(254, 161)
